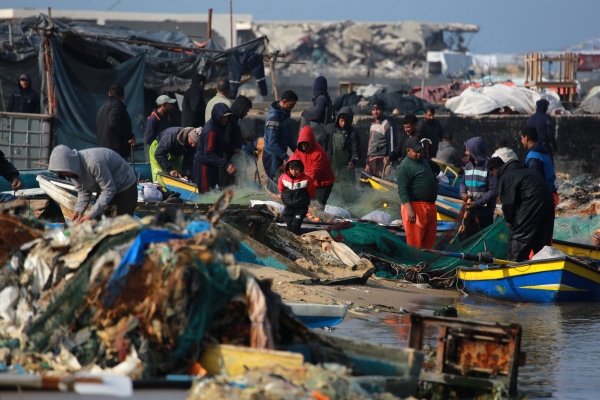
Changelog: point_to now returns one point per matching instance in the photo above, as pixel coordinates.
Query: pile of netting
(577, 229)
(411, 263)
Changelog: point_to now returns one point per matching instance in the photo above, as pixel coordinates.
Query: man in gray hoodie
(101, 171)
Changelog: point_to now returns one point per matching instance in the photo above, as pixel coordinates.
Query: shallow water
(562, 341)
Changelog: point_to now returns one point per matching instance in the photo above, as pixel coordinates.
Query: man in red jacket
(316, 164)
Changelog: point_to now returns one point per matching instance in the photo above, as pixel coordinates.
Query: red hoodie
(316, 161)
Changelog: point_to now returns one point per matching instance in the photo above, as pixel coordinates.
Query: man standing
(278, 133)
(10, 173)
(448, 154)
(410, 123)
(24, 99)
(342, 144)
(222, 96)
(382, 139)
(100, 171)
(322, 112)
(113, 124)
(158, 120)
(543, 125)
(193, 106)
(527, 205)
(430, 128)
(417, 188)
(316, 164)
(479, 188)
(538, 158)
(172, 152)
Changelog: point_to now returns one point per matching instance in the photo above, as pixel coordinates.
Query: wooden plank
(233, 360)
(441, 349)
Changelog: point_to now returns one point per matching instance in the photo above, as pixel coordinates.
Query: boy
(297, 189)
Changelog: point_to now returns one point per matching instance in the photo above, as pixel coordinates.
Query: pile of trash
(349, 47)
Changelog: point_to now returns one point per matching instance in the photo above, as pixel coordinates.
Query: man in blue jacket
(479, 189)
(322, 112)
(538, 158)
(158, 120)
(278, 134)
(543, 125)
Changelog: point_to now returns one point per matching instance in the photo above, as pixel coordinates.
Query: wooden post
(231, 23)
(48, 58)
(272, 68)
(209, 24)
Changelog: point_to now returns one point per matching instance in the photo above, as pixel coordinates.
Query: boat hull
(577, 249)
(543, 281)
(319, 315)
(187, 190)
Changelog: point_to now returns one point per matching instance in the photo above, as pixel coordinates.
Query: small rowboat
(319, 315)
(577, 249)
(187, 189)
(536, 281)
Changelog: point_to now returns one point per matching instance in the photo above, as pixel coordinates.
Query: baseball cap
(162, 99)
(378, 104)
(414, 144)
(448, 136)
(24, 76)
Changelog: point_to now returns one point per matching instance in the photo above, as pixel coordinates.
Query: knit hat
(194, 135)
(378, 104)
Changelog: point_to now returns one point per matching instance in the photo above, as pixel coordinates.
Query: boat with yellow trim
(537, 281)
(577, 249)
(187, 189)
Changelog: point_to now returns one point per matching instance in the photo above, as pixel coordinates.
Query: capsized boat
(537, 281)
(319, 315)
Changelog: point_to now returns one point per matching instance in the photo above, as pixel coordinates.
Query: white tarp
(483, 100)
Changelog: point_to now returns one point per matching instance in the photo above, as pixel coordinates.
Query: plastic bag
(337, 211)
(379, 216)
(150, 192)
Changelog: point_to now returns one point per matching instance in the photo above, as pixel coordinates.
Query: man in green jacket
(417, 188)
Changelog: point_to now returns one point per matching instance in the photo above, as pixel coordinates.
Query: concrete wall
(578, 136)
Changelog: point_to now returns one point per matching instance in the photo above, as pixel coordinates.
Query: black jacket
(543, 124)
(432, 131)
(113, 127)
(193, 107)
(233, 133)
(24, 101)
(351, 142)
(174, 142)
(7, 170)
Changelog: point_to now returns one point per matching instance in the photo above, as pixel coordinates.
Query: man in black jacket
(24, 99)
(193, 106)
(9, 172)
(430, 128)
(542, 123)
(113, 123)
(527, 205)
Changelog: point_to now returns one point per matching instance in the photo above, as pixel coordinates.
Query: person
(527, 205)
(222, 96)
(342, 144)
(538, 159)
(23, 98)
(410, 124)
(417, 188)
(382, 139)
(113, 124)
(479, 188)
(322, 113)
(209, 153)
(278, 134)
(504, 152)
(159, 119)
(193, 106)
(316, 164)
(172, 153)
(542, 123)
(236, 135)
(297, 190)
(101, 171)
(11, 174)
(448, 154)
(429, 127)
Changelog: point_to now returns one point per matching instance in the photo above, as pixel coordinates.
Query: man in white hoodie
(504, 152)
(101, 171)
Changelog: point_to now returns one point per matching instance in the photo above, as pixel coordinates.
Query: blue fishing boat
(187, 189)
(537, 281)
(319, 315)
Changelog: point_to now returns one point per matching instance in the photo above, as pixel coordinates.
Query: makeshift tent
(591, 105)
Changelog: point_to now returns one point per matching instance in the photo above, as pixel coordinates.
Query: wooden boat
(319, 315)
(539, 281)
(577, 249)
(187, 189)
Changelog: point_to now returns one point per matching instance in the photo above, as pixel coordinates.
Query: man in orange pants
(417, 188)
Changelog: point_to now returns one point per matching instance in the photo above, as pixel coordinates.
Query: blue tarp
(81, 90)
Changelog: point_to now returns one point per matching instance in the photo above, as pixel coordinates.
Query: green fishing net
(576, 229)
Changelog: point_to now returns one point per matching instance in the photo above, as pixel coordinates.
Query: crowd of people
(328, 148)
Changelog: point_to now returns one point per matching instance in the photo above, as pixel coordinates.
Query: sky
(506, 26)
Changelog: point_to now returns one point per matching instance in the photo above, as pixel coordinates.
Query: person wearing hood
(316, 164)
(504, 152)
(172, 153)
(278, 134)
(297, 190)
(101, 171)
(158, 120)
(193, 105)
(538, 159)
(342, 144)
(9, 172)
(448, 154)
(211, 147)
(542, 123)
(236, 135)
(527, 205)
(322, 113)
(479, 188)
(113, 124)
(23, 98)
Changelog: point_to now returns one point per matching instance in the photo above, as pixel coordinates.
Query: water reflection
(561, 340)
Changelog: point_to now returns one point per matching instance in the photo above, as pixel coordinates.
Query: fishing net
(411, 263)
(577, 230)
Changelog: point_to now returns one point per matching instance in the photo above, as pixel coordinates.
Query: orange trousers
(423, 232)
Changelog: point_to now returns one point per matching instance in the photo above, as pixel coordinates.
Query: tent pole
(272, 68)
(231, 23)
(209, 24)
